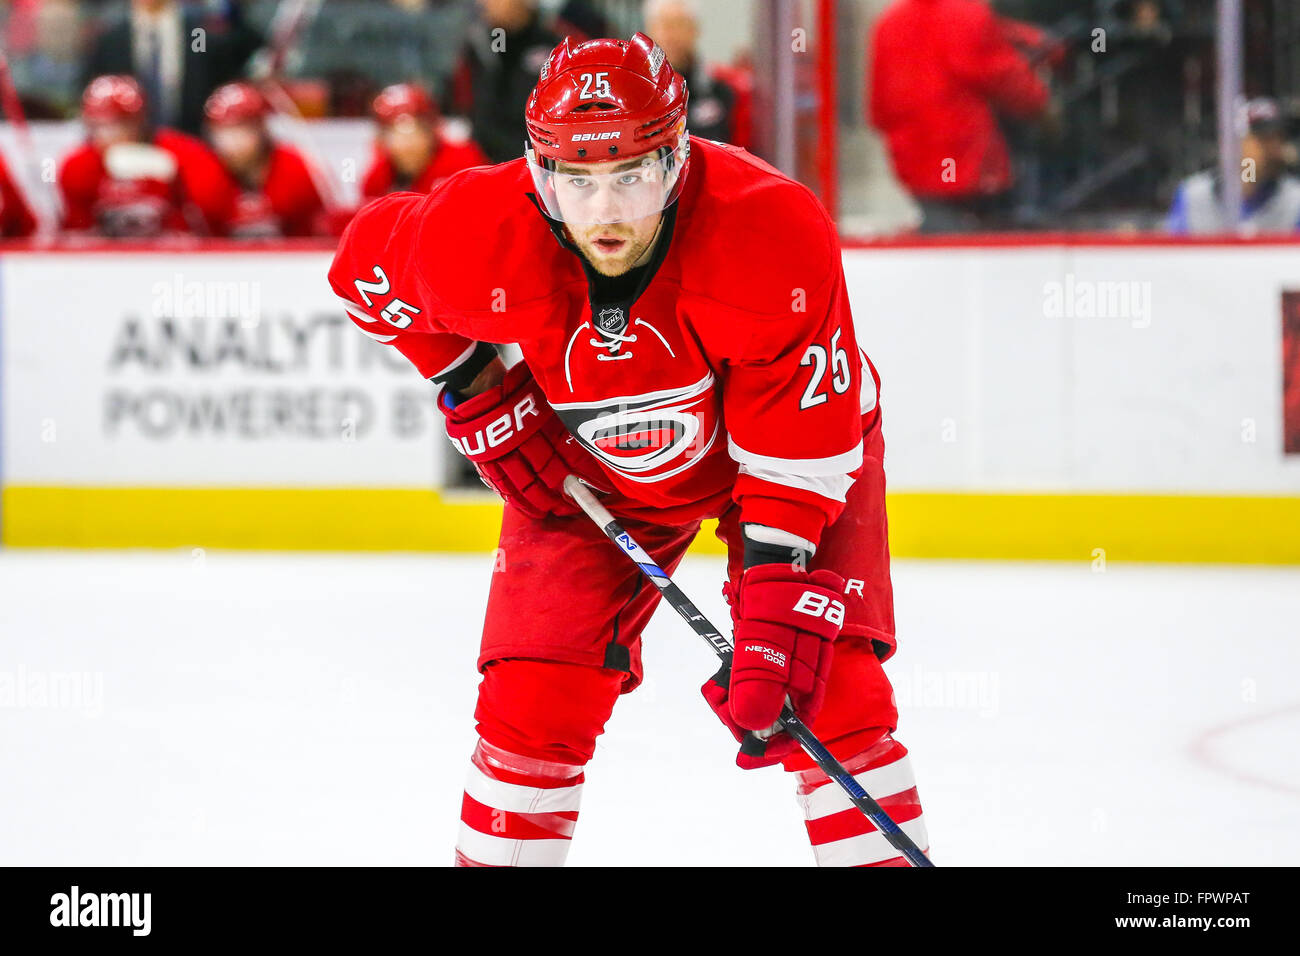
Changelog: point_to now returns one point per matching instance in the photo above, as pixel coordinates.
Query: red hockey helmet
(403, 99)
(235, 103)
(111, 98)
(615, 103)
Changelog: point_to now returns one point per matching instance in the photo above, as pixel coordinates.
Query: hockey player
(688, 352)
(131, 181)
(276, 193)
(410, 151)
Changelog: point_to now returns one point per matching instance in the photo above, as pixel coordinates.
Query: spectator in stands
(410, 151)
(133, 180)
(43, 43)
(941, 73)
(581, 20)
(497, 71)
(276, 191)
(1270, 196)
(1143, 104)
(179, 55)
(16, 219)
(720, 100)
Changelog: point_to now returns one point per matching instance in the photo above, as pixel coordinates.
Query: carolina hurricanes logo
(647, 437)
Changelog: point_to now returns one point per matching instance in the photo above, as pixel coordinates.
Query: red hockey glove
(786, 621)
(519, 446)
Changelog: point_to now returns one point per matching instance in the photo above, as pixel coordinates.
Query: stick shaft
(722, 647)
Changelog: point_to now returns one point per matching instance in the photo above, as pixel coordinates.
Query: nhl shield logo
(611, 320)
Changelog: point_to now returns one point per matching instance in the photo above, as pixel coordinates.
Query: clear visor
(618, 190)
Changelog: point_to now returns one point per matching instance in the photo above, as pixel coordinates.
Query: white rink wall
(1053, 369)
(201, 369)
(1125, 369)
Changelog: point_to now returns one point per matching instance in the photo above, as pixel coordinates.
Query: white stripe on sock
(503, 851)
(869, 847)
(881, 782)
(517, 798)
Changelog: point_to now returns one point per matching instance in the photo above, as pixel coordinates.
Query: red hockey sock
(517, 811)
(841, 835)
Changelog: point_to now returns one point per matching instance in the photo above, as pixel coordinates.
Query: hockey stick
(789, 721)
(47, 216)
(291, 19)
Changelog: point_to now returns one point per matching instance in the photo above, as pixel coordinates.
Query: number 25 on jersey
(396, 312)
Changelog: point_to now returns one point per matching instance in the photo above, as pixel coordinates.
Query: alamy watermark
(183, 298)
(1077, 298)
(24, 689)
(130, 910)
(948, 690)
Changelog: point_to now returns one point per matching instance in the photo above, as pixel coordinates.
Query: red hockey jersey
(735, 374)
(198, 198)
(287, 204)
(16, 219)
(450, 156)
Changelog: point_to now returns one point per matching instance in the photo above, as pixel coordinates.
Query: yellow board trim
(306, 519)
(1175, 528)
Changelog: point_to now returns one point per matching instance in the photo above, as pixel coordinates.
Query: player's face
(618, 191)
(106, 133)
(614, 248)
(612, 210)
(238, 145)
(408, 143)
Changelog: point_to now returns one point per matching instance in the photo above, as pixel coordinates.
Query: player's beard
(638, 245)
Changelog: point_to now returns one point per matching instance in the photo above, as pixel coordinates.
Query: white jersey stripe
(831, 466)
(827, 477)
(517, 798)
(503, 851)
(835, 488)
(356, 313)
(869, 393)
(360, 316)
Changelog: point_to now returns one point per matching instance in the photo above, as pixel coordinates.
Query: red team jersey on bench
(198, 199)
(736, 373)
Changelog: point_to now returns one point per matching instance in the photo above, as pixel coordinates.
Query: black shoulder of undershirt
(461, 376)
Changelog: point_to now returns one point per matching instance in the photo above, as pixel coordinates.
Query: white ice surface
(316, 709)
